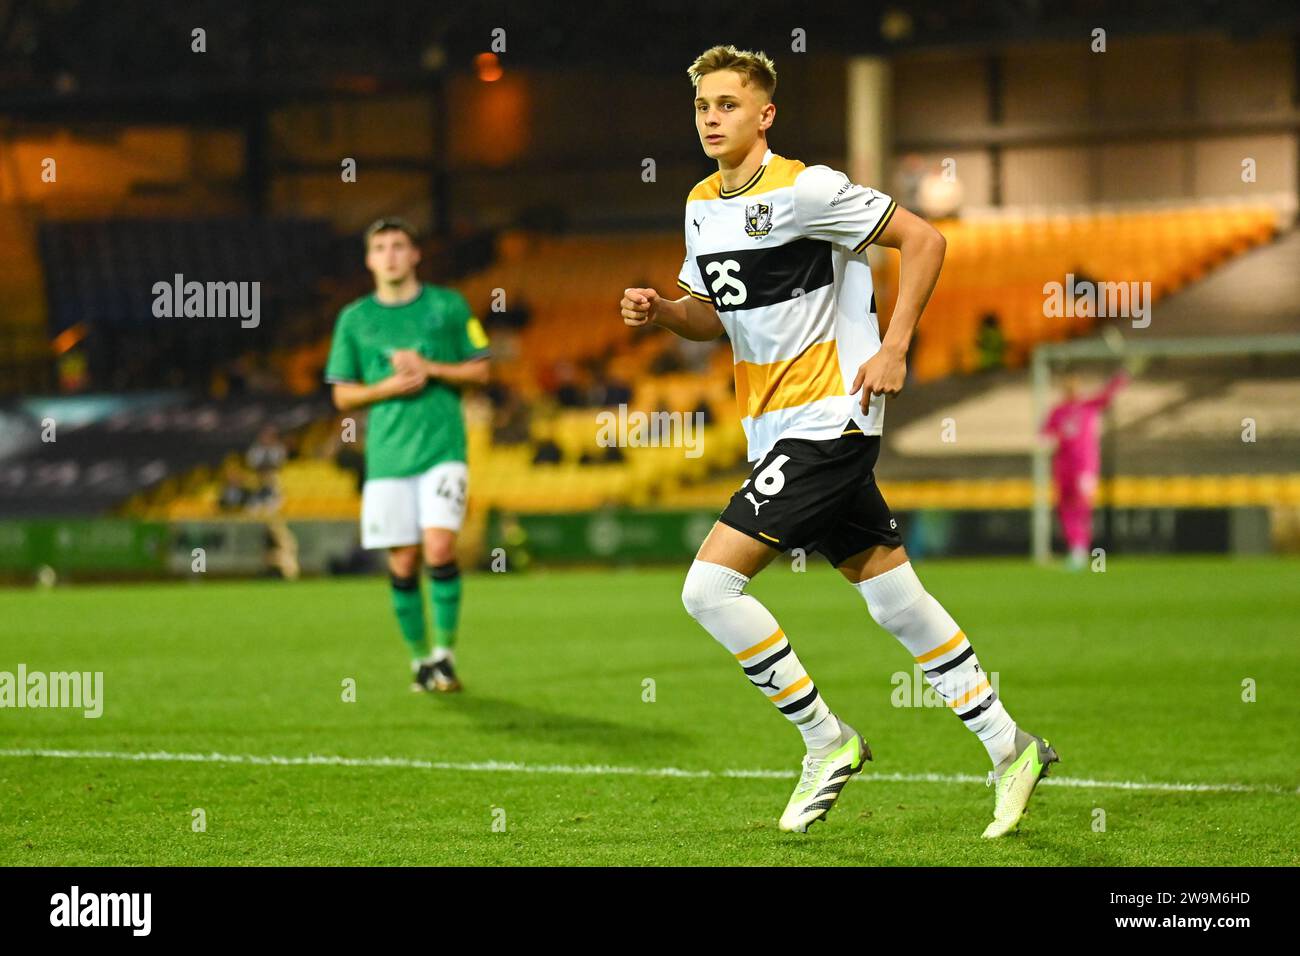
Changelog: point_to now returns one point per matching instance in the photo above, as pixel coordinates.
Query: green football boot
(822, 780)
(1015, 782)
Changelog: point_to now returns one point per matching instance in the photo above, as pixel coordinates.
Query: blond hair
(756, 68)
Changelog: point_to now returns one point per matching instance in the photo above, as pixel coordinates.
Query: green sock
(409, 608)
(446, 603)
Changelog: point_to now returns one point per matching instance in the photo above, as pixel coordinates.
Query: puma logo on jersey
(696, 224)
(755, 502)
(723, 269)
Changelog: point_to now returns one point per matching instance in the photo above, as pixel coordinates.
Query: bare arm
(471, 372)
(922, 248)
(349, 396)
(688, 316)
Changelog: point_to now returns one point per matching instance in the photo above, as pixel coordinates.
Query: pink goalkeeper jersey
(1076, 424)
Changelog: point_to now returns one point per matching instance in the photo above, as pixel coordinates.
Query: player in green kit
(405, 352)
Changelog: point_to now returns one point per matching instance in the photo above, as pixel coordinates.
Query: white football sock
(899, 603)
(714, 596)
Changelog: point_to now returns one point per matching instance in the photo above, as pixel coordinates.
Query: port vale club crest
(758, 219)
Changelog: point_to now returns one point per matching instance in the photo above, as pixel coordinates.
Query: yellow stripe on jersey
(781, 173)
(813, 374)
(725, 193)
(880, 227)
(777, 174)
(699, 295)
(706, 188)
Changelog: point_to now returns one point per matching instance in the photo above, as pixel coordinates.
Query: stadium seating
(569, 286)
(999, 266)
(506, 480)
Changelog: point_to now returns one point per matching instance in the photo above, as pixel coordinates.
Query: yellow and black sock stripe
(960, 682)
(786, 684)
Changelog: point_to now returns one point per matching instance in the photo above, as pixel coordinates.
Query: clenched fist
(639, 306)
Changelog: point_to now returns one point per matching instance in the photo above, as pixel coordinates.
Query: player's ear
(767, 115)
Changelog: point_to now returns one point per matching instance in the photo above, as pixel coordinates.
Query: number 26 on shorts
(770, 480)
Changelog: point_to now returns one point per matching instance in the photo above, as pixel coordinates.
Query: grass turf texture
(1134, 675)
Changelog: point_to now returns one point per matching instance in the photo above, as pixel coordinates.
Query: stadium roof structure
(70, 54)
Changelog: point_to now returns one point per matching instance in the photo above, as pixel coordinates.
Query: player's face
(392, 256)
(729, 114)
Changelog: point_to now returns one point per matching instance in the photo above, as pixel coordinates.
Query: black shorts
(816, 495)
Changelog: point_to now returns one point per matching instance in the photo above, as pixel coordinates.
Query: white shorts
(395, 510)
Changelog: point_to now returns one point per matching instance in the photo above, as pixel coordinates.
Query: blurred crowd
(252, 487)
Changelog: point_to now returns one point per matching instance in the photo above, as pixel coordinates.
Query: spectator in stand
(616, 392)
(268, 453)
(605, 389)
(234, 494)
(705, 411)
(568, 392)
(515, 316)
(348, 454)
(266, 501)
(510, 419)
(990, 344)
(609, 455)
(266, 498)
(667, 362)
(547, 452)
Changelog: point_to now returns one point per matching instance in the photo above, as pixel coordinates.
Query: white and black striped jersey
(782, 259)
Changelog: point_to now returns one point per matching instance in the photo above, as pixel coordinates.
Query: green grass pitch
(1135, 675)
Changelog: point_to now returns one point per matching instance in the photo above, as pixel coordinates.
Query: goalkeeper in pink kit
(1075, 424)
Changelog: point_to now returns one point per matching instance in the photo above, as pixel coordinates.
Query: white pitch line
(498, 766)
